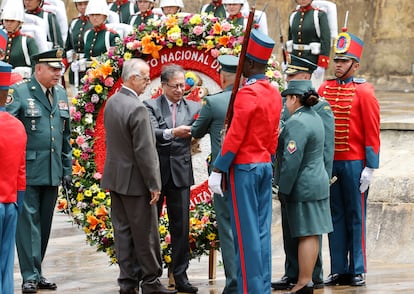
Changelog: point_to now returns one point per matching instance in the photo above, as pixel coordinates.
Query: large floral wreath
(88, 204)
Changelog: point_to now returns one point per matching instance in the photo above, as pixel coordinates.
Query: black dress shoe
(45, 284)
(337, 279)
(29, 287)
(156, 288)
(317, 284)
(307, 289)
(129, 291)
(357, 280)
(186, 288)
(285, 283)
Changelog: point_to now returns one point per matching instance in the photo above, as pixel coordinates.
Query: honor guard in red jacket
(246, 158)
(12, 180)
(356, 155)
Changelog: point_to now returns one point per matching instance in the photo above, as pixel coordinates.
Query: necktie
(49, 96)
(173, 113)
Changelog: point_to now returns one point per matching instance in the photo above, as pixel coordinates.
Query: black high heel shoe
(307, 289)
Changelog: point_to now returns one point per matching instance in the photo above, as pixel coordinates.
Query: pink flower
(89, 107)
(97, 176)
(141, 27)
(89, 132)
(85, 156)
(204, 219)
(72, 110)
(80, 140)
(109, 82)
(77, 116)
(226, 27)
(215, 53)
(168, 239)
(198, 30)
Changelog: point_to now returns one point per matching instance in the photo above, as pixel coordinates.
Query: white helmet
(233, 1)
(13, 10)
(97, 7)
(77, 1)
(166, 3)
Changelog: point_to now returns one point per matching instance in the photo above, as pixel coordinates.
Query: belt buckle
(301, 47)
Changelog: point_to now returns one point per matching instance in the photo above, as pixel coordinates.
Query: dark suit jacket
(174, 154)
(131, 165)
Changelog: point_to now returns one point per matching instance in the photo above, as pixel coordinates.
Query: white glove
(214, 183)
(365, 180)
(319, 72)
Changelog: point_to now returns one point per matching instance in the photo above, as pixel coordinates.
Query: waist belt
(301, 47)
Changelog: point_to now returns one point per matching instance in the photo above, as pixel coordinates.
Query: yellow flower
(195, 19)
(127, 55)
(211, 236)
(86, 230)
(162, 229)
(101, 195)
(164, 245)
(75, 210)
(167, 258)
(98, 89)
(74, 101)
(179, 42)
(80, 197)
(77, 184)
(95, 201)
(88, 193)
(76, 152)
(108, 202)
(269, 73)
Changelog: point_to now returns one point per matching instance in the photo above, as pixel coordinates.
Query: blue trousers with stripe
(347, 242)
(251, 216)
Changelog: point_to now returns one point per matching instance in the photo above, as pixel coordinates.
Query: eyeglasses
(147, 79)
(177, 86)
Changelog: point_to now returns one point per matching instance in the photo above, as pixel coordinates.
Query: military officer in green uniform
(302, 179)
(216, 7)
(211, 120)
(41, 104)
(302, 69)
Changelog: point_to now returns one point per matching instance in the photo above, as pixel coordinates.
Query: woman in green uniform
(302, 178)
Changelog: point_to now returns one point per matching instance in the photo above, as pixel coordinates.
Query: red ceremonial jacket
(357, 119)
(12, 157)
(253, 133)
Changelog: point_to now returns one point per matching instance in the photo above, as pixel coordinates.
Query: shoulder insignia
(251, 82)
(291, 147)
(359, 80)
(24, 81)
(10, 98)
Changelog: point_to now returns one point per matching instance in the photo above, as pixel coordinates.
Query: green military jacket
(300, 172)
(211, 119)
(99, 42)
(77, 29)
(48, 151)
(124, 10)
(19, 50)
(218, 11)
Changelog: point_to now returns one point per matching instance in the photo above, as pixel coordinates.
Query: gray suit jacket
(174, 154)
(131, 165)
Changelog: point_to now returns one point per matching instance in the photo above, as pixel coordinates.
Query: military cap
(52, 57)
(260, 47)
(348, 46)
(5, 73)
(298, 64)
(298, 87)
(228, 63)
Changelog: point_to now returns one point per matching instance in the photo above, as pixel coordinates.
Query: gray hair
(132, 67)
(168, 71)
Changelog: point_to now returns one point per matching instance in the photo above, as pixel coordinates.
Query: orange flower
(105, 70)
(171, 21)
(93, 222)
(77, 169)
(149, 47)
(217, 28)
(62, 204)
(223, 40)
(101, 211)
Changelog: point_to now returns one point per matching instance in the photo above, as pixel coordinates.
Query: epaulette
(24, 81)
(359, 80)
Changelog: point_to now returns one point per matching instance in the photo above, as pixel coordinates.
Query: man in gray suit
(172, 117)
(132, 176)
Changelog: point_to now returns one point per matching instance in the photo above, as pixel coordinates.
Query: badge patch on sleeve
(291, 147)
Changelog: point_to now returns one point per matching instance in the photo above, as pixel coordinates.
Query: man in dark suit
(172, 117)
(42, 106)
(132, 176)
